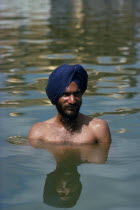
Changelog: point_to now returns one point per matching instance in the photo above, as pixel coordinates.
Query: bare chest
(85, 135)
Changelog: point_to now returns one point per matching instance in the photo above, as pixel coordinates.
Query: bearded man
(65, 88)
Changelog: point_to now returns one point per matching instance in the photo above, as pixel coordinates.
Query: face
(69, 103)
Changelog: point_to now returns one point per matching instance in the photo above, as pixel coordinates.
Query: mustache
(72, 106)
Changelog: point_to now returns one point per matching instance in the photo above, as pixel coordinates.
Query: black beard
(69, 120)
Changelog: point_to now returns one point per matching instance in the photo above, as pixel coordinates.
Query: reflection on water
(63, 186)
(111, 60)
(39, 36)
(18, 140)
(104, 37)
(62, 189)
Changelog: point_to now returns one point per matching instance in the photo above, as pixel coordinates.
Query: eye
(66, 94)
(77, 94)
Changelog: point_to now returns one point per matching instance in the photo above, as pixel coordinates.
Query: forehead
(72, 87)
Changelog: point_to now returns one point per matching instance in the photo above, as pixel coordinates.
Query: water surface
(36, 37)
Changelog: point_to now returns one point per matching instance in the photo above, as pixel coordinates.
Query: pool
(36, 37)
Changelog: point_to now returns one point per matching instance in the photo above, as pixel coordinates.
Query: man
(65, 88)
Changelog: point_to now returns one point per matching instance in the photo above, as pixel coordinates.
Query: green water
(36, 37)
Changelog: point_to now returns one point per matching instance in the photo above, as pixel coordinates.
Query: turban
(61, 78)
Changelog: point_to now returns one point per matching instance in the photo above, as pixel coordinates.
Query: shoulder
(101, 130)
(98, 122)
(36, 133)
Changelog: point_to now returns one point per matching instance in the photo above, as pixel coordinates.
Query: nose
(71, 99)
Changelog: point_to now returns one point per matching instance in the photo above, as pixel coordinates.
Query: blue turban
(61, 78)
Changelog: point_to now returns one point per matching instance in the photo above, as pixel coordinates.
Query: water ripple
(111, 60)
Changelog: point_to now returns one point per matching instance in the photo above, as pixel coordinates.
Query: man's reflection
(62, 186)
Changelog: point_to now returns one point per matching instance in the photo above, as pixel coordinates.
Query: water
(36, 37)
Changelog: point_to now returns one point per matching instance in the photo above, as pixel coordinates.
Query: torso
(51, 132)
(57, 135)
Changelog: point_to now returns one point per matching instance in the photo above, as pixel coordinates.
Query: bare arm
(102, 132)
(34, 135)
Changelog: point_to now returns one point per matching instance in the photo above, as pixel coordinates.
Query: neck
(69, 125)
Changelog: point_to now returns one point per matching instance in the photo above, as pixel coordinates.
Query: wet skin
(69, 125)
